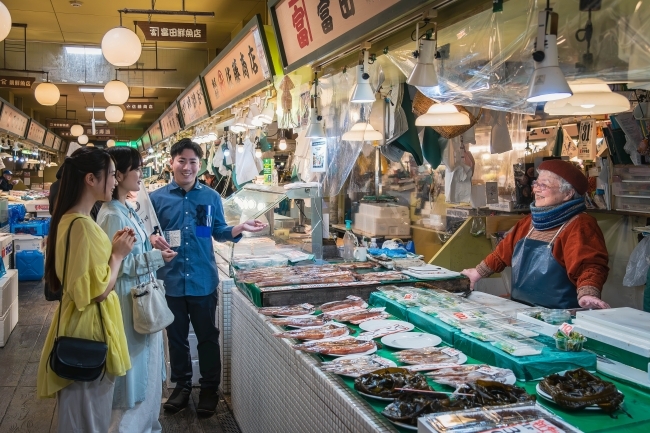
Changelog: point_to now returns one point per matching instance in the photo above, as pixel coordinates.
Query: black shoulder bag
(77, 358)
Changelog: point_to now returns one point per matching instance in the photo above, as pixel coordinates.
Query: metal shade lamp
(548, 82)
(424, 73)
(315, 129)
(363, 92)
(362, 131)
(591, 96)
(442, 115)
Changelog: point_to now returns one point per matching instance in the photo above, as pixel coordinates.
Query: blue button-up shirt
(198, 215)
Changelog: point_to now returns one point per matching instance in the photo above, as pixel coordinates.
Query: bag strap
(65, 272)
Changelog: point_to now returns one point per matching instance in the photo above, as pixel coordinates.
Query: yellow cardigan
(87, 277)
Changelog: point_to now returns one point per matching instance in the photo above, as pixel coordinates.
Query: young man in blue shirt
(190, 216)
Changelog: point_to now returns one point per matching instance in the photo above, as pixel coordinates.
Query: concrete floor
(20, 411)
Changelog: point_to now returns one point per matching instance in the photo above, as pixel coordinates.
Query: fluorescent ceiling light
(100, 122)
(91, 89)
(84, 51)
(95, 109)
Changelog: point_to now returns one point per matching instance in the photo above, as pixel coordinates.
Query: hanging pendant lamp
(362, 131)
(315, 129)
(591, 96)
(362, 92)
(442, 115)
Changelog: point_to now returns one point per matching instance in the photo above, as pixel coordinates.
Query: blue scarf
(547, 217)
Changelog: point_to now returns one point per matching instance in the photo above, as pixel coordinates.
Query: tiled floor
(20, 411)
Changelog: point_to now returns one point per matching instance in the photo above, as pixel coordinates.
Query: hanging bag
(150, 311)
(73, 358)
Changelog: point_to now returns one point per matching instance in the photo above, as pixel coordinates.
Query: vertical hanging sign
(193, 105)
(587, 139)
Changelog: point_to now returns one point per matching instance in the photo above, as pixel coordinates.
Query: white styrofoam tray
(498, 303)
(8, 322)
(626, 320)
(613, 337)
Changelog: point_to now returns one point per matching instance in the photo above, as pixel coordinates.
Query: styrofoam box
(8, 322)
(25, 242)
(8, 290)
(384, 210)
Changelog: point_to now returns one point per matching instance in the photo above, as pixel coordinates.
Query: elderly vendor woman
(558, 254)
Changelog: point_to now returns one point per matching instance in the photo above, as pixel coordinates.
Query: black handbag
(77, 358)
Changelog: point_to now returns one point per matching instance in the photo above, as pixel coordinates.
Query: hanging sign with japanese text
(307, 30)
(36, 132)
(169, 121)
(193, 105)
(16, 82)
(240, 69)
(155, 134)
(139, 106)
(146, 141)
(587, 139)
(12, 120)
(57, 143)
(103, 131)
(49, 139)
(60, 123)
(173, 32)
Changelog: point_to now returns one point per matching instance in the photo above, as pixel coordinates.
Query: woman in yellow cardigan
(93, 262)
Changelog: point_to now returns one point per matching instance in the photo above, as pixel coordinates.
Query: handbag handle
(65, 272)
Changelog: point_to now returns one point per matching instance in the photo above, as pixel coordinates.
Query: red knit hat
(568, 172)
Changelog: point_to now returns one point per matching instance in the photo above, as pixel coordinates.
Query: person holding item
(6, 184)
(136, 399)
(190, 216)
(93, 263)
(558, 253)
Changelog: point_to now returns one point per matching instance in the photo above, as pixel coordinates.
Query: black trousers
(200, 310)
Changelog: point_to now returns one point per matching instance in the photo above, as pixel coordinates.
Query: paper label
(377, 310)
(450, 351)
(381, 332)
(488, 370)
(425, 367)
(410, 296)
(537, 426)
(566, 329)
(173, 238)
(354, 298)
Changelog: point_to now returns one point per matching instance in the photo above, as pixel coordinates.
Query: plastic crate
(30, 265)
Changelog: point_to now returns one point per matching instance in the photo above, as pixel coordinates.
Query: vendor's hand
(123, 243)
(159, 243)
(593, 302)
(15, 182)
(168, 255)
(253, 226)
(473, 276)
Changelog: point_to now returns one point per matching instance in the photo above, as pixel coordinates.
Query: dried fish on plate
(355, 365)
(469, 373)
(316, 333)
(339, 346)
(350, 302)
(430, 355)
(287, 310)
(382, 276)
(364, 317)
(299, 322)
(356, 315)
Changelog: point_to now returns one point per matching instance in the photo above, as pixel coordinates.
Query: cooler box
(34, 227)
(30, 265)
(23, 242)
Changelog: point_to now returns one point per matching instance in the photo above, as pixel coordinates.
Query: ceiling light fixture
(91, 89)
(82, 139)
(121, 46)
(362, 131)
(442, 115)
(315, 129)
(267, 115)
(362, 92)
(5, 22)
(47, 93)
(84, 51)
(116, 92)
(95, 109)
(591, 96)
(424, 72)
(111, 143)
(548, 82)
(76, 130)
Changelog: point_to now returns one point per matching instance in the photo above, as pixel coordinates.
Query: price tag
(450, 351)
(410, 296)
(566, 329)
(354, 298)
(307, 306)
(488, 370)
(426, 367)
(377, 310)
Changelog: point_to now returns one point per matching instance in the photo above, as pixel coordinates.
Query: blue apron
(538, 279)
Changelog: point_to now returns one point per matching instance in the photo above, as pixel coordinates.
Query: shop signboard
(36, 132)
(139, 106)
(12, 120)
(49, 139)
(60, 123)
(146, 141)
(240, 69)
(307, 30)
(170, 121)
(138, 142)
(16, 82)
(173, 32)
(194, 107)
(155, 133)
(57, 143)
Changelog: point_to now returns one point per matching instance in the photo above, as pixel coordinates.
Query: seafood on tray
(316, 332)
(469, 373)
(577, 389)
(429, 355)
(484, 393)
(299, 321)
(384, 382)
(382, 276)
(355, 366)
(348, 303)
(287, 310)
(337, 346)
(356, 316)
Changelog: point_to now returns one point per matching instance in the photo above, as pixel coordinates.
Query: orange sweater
(579, 248)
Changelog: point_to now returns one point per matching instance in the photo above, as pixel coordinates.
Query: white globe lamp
(90, 145)
(76, 130)
(121, 47)
(116, 92)
(47, 94)
(114, 113)
(5, 22)
(110, 143)
(82, 139)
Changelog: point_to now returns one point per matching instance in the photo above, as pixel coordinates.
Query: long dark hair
(126, 158)
(75, 168)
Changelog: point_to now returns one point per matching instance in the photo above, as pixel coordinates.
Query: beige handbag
(150, 311)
